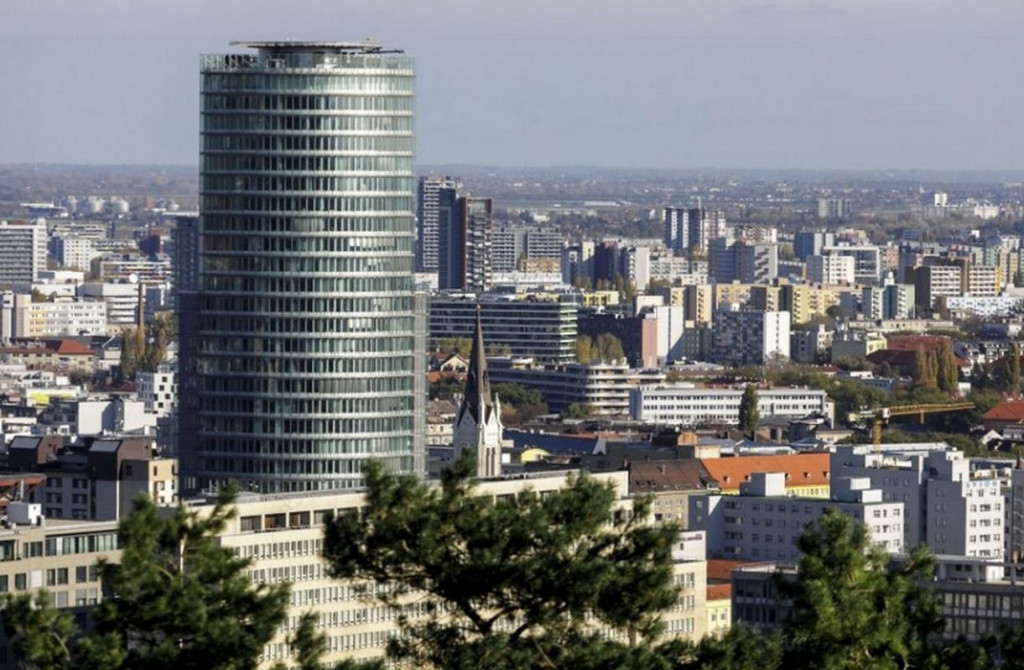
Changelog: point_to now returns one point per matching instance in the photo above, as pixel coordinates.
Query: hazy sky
(933, 84)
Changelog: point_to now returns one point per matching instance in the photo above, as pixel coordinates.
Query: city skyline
(822, 85)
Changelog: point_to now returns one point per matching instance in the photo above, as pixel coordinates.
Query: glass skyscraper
(299, 347)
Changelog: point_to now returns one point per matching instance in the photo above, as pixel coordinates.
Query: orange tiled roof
(720, 569)
(73, 348)
(800, 469)
(1008, 410)
(719, 592)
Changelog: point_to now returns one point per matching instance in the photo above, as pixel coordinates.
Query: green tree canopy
(608, 348)
(514, 582)
(583, 349)
(519, 403)
(750, 415)
(851, 611)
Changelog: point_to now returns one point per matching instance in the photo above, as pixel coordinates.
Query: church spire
(478, 423)
(477, 398)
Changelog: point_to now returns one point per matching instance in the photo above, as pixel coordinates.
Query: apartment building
(96, 480)
(831, 269)
(61, 317)
(749, 337)
(684, 405)
(763, 523)
(22, 250)
(946, 506)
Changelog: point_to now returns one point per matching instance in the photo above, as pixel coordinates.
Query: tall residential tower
(299, 347)
(430, 195)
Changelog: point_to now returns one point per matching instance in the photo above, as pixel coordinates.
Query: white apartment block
(158, 391)
(946, 507)
(60, 318)
(764, 524)
(73, 251)
(22, 250)
(832, 269)
(995, 305)
(684, 405)
(867, 260)
(122, 302)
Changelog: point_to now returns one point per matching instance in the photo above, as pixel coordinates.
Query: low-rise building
(684, 405)
(604, 387)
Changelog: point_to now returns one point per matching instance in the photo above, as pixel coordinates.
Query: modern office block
(541, 329)
(465, 250)
(22, 251)
(429, 212)
(298, 353)
(809, 242)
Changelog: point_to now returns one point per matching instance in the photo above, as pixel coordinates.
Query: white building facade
(683, 405)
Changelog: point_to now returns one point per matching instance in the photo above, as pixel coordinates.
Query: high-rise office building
(465, 248)
(22, 251)
(428, 219)
(677, 229)
(811, 242)
(298, 353)
(705, 225)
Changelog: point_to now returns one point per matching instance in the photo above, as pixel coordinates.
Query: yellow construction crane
(881, 415)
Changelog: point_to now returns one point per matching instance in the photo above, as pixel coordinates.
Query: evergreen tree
(750, 415)
(177, 600)
(740, 648)
(949, 372)
(924, 370)
(1013, 371)
(515, 582)
(850, 610)
(129, 361)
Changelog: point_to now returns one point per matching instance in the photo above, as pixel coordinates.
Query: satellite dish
(133, 278)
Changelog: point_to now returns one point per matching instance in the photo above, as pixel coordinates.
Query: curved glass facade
(303, 355)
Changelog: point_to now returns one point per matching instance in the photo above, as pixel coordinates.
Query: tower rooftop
(366, 47)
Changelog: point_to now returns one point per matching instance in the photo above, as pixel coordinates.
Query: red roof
(719, 592)
(1008, 410)
(912, 342)
(800, 469)
(720, 569)
(73, 348)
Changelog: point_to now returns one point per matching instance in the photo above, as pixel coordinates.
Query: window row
(331, 446)
(269, 305)
(295, 284)
(306, 143)
(268, 163)
(324, 385)
(392, 204)
(332, 84)
(362, 365)
(308, 406)
(377, 123)
(309, 225)
(259, 183)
